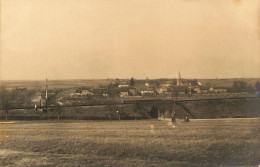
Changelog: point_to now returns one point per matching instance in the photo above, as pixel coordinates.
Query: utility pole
(46, 95)
(174, 104)
(6, 109)
(174, 108)
(173, 98)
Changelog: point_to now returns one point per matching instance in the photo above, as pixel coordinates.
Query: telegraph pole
(174, 101)
(6, 109)
(174, 106)
(46, 95)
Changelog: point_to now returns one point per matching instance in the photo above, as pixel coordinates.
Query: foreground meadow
(219, 142)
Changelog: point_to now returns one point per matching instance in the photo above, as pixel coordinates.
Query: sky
(94, 39)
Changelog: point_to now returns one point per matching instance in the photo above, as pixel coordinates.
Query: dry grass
(227, 142)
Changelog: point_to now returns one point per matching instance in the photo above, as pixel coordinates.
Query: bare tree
(132, 82)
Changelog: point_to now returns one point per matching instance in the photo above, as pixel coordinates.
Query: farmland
(216, 142)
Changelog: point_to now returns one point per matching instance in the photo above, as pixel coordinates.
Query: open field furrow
(222, 142)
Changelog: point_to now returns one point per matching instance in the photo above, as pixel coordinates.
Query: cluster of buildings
(169, 88)
(183, 87)
(178, 87)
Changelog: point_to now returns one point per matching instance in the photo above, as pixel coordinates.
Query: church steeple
(179, 82)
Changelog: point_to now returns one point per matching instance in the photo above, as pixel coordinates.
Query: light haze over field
(68, 39)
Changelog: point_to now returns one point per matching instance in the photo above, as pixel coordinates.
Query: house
(162, 90)
(220, 90)
(75, 94)
(87, 92)
(123, 85)
(37, 99)
(146, 91)
(147, 84)
(211, 89)
(126, 91)
(123, 94)
(100, 92)
(203, 89)
(59, 103)
(197, 90)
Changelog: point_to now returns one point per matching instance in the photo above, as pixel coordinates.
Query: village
(119, 89)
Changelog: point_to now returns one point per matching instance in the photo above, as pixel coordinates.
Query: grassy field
(219, 142)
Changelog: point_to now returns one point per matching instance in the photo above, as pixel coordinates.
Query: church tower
(179, 81)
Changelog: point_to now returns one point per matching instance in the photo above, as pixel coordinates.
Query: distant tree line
(4, 100)
(243, 86)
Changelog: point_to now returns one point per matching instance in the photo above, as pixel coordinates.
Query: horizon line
(123, 79)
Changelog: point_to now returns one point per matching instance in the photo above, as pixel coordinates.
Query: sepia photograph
(130, 83)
